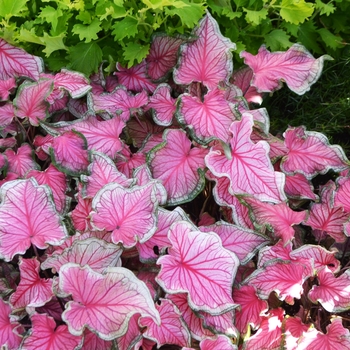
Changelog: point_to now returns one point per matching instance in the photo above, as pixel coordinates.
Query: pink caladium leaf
(277, 216)
(22, 161)
(269, 334)
(342, 194)
(102, 171)
(333, 293)
(127, 162)
(247, 161)
(220, 324)
(7, 113)
(327, 220)
(163, 105)
(283, 277)
(219, 342)
(243, 78)
(135, 78)
(143, 176)
(132, 337)
(74, 82)
(28, 216)
(92, 342)
(69, 153)
(31, 101)
(15, 63)
(8, 142)
(162, 56)
(46, 335)
(32, 290)
(278, 251)
(321, 257)
(105, 303)
(129, 213)
(208, 119)
(336, 338)
(6, 86)
(195, 257)
(194, 323)
(296, 67)
(178, 166)
(57, 182)
(243, 242)
(208, 59)
(173, 329)
(80, 215)
(294, 329)
(310, 153)
(96, 253)
(251, 308)
(10, 328)
(120, 102)
(297, 186)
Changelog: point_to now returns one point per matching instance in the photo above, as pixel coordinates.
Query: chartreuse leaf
(296, 11)
(85, 57)
(126, 28)
(51, 15)
(87, 32)
(135, 52)
(255, 17)
(188, 18)
(9, 8)
(325, 9)
(277, 40)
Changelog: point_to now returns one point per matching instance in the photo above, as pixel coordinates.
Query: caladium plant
(152, 207)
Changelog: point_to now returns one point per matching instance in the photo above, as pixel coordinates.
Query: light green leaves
(9, 8)
(296, 11)
(87, 32)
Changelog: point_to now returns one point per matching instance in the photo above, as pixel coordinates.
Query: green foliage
(79, 34)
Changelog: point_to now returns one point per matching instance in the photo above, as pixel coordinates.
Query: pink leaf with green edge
(42, 145)
(194, 323)
(93, 342)
(320, 255)
(121, 102)
(15, 63)
(219, 342)
(132, 337)
(47, 335)
(222, 196)
(28, 216)
(277, 216)
(342, 194)
(74, 82)
(178, 166)
(22, 161)
(32, 290)
(294, 329)
(129, 213)
(220, 324)
(279, 251)
(243, 242)
(127, 162)
(333, 293)
(102, 171)
(80, 215)
(243, 78)
(105, 303)
(57, 181)
(148, 277)
(160, 238)
(163, 105)
(250, 310)
(336, 338)
(31, 101)
(209, 118)
(135, 78)
(7, 113)
(197, 264)
(162, 56)
(69, 154)
(297, 186)
(326, 220)
(96, 253)
(143, 176)
(6, 87)
(269, 334)
(296, 67)
(247, 161)
(78, 107)
(310, 153)
(8, 142)
(10, 328)
(208, 59)
(284, 278)
(172, 330)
